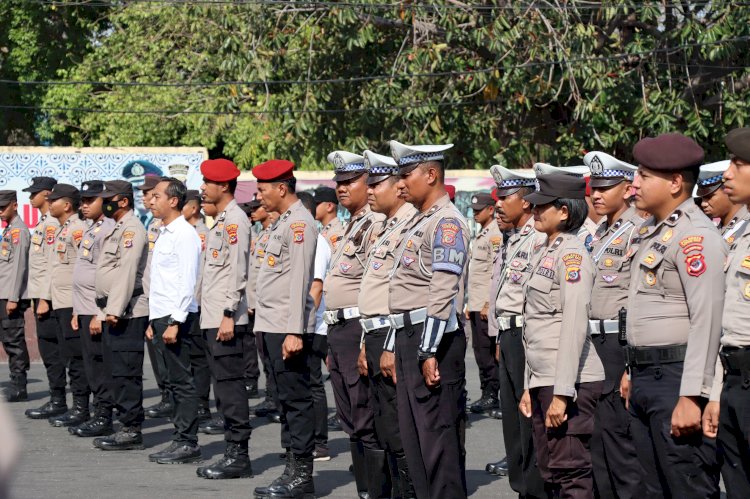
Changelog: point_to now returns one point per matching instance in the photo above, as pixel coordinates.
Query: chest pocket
(37, 241)
(217, 252)
(5, 250)
(273, 256)
(61, 248)
(651, 275)
(86, 251)
(516, 272)
(546, 294)
(743, 282)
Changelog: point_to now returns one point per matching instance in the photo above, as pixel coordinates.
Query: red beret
(451, 190)
(668, 152)
(274, 170)
(219, 170)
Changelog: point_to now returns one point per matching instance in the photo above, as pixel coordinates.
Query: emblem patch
(232, 233)
(50, 235)
(271, 261)
(696, 264)
(746, 262)
(548, 262)
(667, 236)
(649, 259)
(407, 261)
(298, 230)
(643, 230)
(650, 279)
(77, 235)
(608, 262)
(128, 243)
(617, 241)
(747, 290)
(609, 279)
(572, 274)
(345, 267)
(377, 265)
(448, 247)
(496, 242)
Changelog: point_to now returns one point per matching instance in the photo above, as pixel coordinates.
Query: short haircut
(75, 203)
(129, 197)
(232, 186)
(525, 190)
(175, 189)
(690, 177)
(291, 184)
(578, 210)
(308, 201)
(438, 165)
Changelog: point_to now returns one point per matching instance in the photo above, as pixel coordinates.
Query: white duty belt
(332, 317)
(604, 326)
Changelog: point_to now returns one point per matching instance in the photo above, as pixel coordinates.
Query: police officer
(674, 321)
(252, 371)
(507, 314)
(616, 470)
(283, 314)
(120, 298)
(326, 212)
(14, 255)
(429, 340)
(483, 250)
(224, 314)
(383, 196)
(137, 173)
(87, 321)
(564, 374)
(716, 204)
(198, 355)
(64, 203)
(733, 431)
(42, 244)
(351, 390)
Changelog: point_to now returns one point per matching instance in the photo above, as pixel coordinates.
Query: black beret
(41, 184)
(668, 152)
(64, 191)
(738, 143)
(325, 194)
(7, 197)
(481, 200)
(553, 187)
(92, 188)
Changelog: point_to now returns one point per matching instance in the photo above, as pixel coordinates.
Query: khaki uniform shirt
(62, 261)
(516, 269)
(341, 285)
(257, 255)
(736, 317)
(483, 251)
(283, 303)
(153, 234)
(333, 232)
(119, 271)
(736, 226)
(613, 256)
(225, 269)
(14, 255)
(84, 278)
(556, 335)
(429, 265)
(202, 231)
(373, 292)
(497, 270)
(677, 292)
(42, 244)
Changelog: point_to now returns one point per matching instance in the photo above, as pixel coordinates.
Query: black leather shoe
(128, 438)
(251, 387)
(214, 426)
(496, 414)
(55, 407)
(16, 389)
(484, 404)
(183, 453)
(334, 423)
(234, 464)
(263, 408)
(99, 426)
(499, 468)
(75, 416)
(161, 410)
(204, 414)
(167, 450)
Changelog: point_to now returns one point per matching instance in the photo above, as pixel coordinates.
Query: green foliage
(526, 84)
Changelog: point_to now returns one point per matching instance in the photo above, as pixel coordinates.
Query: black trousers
(50, 350)
(199, 363)
(682, 467)
(431, 420)
(98, 372)
(272, 394)
(385, 407)
(178, 379)
(484, 353)
(157, 365)
(292, 377)
(228, 370)
(617, 473)
(123, 351)
(523, 474)
(351, 391)
(12, 329)
(734, 434)
(252, 372)
(72, 353)
(318, 353)
(563, 453)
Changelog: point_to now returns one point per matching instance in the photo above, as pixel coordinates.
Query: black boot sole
(104, 433)
(46, 415)
(123, 447)
(67, 424)
(224, 477)
(188, 460)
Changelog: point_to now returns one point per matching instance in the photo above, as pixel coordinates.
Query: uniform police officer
(224, 314)
(483, 250)
(429, 340)
(351, 390)
(283, 313)
(14, 255)
(716, 204)
(87, 320)
(616, 470)
(674, 321)
(507, 311)
(326, 212)
(119, 296)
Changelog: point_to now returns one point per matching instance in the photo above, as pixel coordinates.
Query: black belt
(649, 356)
(736, 360)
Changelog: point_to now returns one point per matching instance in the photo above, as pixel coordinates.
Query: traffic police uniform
(673, 329)
(429, 265)
(14, 255)
(485, 246)
(42, 244)
(373, 307)
(351, 391)
(616, 470)
(62, 265)
(507, 299)
(84, 306)
(710, 179)
(734, 417)
(223, 284)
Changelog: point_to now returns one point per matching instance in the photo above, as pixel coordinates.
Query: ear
(564, 213)
(432, 175)
(626, 193)
(283, 189)
(676, 183)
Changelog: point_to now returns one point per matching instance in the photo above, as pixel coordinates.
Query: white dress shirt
(322, 261)
(174, 271)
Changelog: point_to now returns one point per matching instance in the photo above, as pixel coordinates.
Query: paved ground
(56, 464)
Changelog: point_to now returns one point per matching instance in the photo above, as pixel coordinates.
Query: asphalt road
(56, 464)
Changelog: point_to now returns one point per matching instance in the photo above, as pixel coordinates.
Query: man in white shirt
(172, 308)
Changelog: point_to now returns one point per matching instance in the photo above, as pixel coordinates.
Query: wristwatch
(172, 322)
(228, 313)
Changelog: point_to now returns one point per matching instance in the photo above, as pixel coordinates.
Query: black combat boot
(263, 492)
(127, 438)
(300, 484)
(214, 426)
(234, 464)
(16, 389)
(55, 407)
(499, 468)
(407, 488)
(163, 409)
(98, 426)
(77, 414)
(378, 474)
(488, 402)
(359, 468)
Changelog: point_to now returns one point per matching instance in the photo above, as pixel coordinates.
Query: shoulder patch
(232, 233)
(15, 235)
(77, 235)
(298, 232)
(572, 259)
(496, 242)
(696, 264)
(448, 247)
(50, 235)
